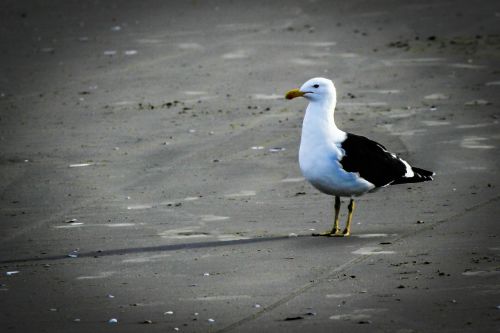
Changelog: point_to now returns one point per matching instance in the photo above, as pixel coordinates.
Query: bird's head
(315, 89)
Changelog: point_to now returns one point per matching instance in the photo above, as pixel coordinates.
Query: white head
(315, 89)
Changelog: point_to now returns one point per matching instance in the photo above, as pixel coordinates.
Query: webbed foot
(331, 233)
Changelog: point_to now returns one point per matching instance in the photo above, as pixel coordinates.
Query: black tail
(420, 175)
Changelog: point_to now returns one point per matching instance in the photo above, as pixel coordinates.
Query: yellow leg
(335, 229)
(347, 230)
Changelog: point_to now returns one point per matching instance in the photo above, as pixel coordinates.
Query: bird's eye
(316, 86)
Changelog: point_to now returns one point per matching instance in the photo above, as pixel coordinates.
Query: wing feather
(371, 160)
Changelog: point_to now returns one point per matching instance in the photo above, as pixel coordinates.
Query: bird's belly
(324, 172)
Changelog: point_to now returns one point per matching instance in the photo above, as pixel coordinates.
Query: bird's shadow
(146, 249)
(306, 241)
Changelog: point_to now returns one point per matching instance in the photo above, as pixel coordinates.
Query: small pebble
(113, 321)
(210, 320)
(168, 313)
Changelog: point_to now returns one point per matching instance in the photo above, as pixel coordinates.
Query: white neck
(319, 123)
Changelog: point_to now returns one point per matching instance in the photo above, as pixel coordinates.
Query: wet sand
(149, 167)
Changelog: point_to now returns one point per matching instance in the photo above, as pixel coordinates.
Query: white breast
(320, 154)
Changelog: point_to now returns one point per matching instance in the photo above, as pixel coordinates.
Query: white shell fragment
(477, 102)
(436, 96)
(79, 165)
(131, 52)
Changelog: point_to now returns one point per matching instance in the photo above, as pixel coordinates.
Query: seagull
(343, 164)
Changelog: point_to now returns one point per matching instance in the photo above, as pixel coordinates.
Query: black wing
(371, 160)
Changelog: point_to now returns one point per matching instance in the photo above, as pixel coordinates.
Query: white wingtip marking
(409, 172)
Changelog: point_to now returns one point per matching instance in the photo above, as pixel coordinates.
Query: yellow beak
(294, 93)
